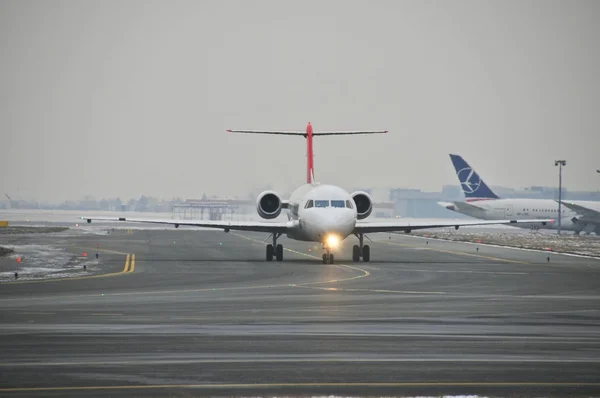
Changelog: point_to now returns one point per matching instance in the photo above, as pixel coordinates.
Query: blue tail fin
(471, 184)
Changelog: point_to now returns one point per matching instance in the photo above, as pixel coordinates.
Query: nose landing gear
(361, 250)
(328, 257)
(274, 250)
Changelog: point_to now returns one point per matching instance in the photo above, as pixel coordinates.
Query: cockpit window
(337, 203)
(326, 203)
(321, 203)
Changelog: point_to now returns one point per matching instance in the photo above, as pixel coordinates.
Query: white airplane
(321, 213)
(482, 203)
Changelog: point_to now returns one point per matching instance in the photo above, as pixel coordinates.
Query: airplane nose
(341, 223)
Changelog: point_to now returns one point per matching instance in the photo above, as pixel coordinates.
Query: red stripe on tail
(310, 168)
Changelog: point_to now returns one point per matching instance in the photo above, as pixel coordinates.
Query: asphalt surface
(197, 313)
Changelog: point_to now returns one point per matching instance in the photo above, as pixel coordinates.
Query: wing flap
(256, 226)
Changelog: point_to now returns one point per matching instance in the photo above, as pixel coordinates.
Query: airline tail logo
(469, 180)
(472, 185)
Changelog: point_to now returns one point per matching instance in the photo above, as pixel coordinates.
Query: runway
(201, 313)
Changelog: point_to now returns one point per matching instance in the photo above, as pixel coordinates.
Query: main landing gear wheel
(361, 250)
(274, 250)
(328, 258)
(356, 253)
(366, 254)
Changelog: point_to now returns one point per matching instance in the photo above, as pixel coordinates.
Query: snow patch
(569, 244)
(43, 262)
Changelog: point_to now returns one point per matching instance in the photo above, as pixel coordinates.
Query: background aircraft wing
(586, 212)
(257, 226)
(404, 226)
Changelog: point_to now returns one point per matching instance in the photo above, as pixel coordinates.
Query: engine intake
(268, 205)
(364, 204)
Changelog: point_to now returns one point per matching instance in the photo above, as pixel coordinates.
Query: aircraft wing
(257, 226)
(407, 226)
(586, 212)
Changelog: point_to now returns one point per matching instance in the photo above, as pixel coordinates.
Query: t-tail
(471, 184)
(308, 134)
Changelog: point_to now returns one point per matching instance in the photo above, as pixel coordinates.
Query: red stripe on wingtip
(229, 131)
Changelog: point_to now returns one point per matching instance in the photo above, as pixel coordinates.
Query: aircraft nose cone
(341, 223)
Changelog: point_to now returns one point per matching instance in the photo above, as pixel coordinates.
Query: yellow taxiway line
(128, 269)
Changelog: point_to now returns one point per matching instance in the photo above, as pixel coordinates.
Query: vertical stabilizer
(471, 184)
(310, 159)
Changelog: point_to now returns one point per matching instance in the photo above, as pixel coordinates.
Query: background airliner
(316, 212)
(483, 203)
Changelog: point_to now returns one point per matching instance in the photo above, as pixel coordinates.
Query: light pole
(560, 164)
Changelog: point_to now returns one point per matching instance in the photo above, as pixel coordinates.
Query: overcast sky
(118, 98)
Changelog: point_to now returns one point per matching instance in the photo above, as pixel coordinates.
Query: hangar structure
(212, 208)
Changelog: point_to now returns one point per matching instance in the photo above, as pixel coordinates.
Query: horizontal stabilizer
(309, 135)
(303, 133)
(348, 132)
(461, 206)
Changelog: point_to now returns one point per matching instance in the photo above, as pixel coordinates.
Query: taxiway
(202, 313)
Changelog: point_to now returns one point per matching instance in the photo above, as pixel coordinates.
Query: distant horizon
(249, 197)
(293, 186)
